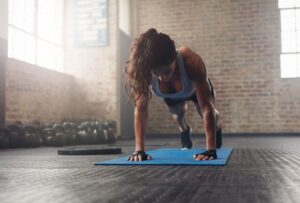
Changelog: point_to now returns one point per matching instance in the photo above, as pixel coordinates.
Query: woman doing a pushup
(177, 76)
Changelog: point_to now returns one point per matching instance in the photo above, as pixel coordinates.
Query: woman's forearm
(210, 128)
(140, 123)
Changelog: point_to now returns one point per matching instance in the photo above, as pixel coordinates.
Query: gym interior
(62, 89)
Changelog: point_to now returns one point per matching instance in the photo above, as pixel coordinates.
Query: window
(290, 38)
(35, 32)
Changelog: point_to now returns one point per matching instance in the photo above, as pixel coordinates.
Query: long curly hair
(150, 50)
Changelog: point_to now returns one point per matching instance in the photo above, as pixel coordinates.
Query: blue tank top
(187, 85)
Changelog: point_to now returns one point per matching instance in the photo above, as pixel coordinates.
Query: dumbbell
(102, 134)
(30, 137)
(86, 134)
(39, 130)
(109, 135)
(49, 136)
(109, 130)
(70, 131)
(109, 124)
(98, 132)
(93, 133)
(53, 138)
(59, 133)
(16, 133)
(4, 137)
(82, 134)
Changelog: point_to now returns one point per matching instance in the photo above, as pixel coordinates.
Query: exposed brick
(239, 42)
(36, 93)
(87, 89)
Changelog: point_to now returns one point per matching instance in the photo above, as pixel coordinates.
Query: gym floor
(260, 169)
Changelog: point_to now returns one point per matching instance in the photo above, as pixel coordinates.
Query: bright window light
(290, 38)
(21, 45)
(36, 32)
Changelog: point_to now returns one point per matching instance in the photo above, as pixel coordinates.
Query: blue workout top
(187, 85)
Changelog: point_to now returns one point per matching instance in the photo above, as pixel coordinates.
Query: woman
(178, 76)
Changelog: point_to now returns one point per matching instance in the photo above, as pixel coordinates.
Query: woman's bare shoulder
(194, 63)
(186, 52)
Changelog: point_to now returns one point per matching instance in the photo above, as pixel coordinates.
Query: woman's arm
(208, 112)
(140, 124)
(196, 71)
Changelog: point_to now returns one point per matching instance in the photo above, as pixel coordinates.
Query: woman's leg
(178, 112)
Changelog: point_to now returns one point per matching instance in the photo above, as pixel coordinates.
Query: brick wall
(240, 43)
(29, 92)
(95, 68)
(238, 40)
(35, 93)
(87, 89)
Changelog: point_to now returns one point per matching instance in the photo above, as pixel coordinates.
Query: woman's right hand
(139, 156)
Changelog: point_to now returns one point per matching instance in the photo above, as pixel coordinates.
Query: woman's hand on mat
(139, 156)
(210, 154)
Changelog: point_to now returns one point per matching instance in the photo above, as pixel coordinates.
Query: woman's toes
(199, 157)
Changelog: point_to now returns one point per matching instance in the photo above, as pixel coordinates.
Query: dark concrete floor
(261, 169)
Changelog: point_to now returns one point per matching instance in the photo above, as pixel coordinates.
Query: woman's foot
(186, 142)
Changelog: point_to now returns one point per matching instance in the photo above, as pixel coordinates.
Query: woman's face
(164, 73)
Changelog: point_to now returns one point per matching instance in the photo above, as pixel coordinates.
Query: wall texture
(87, 89)
(239, 41)
(95, 68)
(35, 93)
(240, 44)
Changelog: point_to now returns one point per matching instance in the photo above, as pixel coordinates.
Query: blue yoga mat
(173, 156)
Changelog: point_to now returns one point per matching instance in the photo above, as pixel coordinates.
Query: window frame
(296, 32)
(35, 34)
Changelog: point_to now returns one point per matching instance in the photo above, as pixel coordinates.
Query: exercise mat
(174, 156)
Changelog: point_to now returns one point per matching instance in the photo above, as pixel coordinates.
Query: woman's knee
(179, 110)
